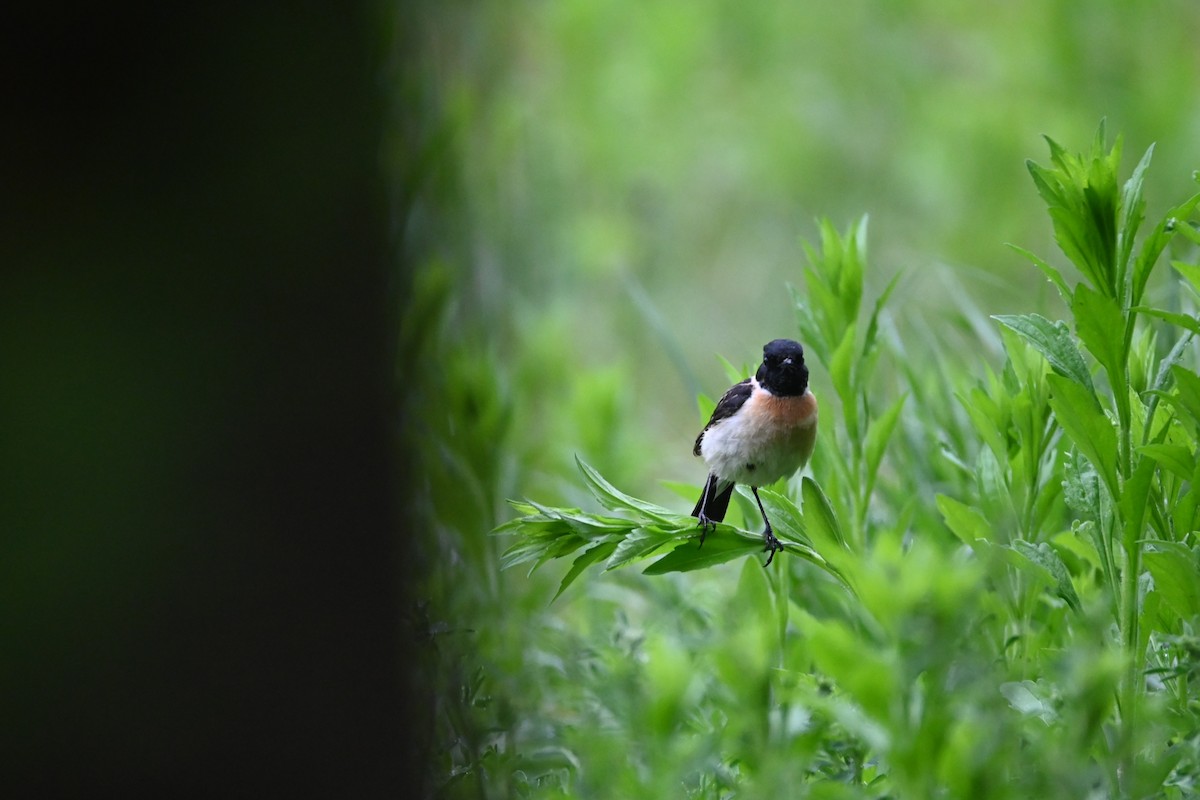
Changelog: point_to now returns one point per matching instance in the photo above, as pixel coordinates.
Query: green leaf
(788, 524)
(988, 420)
(1174, 457)
(1173, 221)
(820, 521)
(717, 549)
(1045, 557)
(1077, 542)
(1029, 698)
(1191, 272)
(873, 322)
(585, 560)
(1134, 207)
(1185, 321)
(1134, 502)
(841, 372)
(639, 544)
(1054, 341)
(612, 498)
(1050, 272)
(1176, 573)
(732, 373)
(1101, 326)
(880, 433)
(1187, 387)
(1079, 414)
(966, 522)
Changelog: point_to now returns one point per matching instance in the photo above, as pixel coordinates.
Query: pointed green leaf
(1172, 222)
(732, 373)
(819, 519)
(585, 560)
(611, 497)
(717, 549)
(1079, 414)
(1054, 341)
(788, 525)
(1185, 321)
(1050, 272)
(1101, 327)
(1174, 457)
(1134, 207)
(880, 433)
(639, 544)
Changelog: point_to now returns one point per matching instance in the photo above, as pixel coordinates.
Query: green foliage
(894, 660)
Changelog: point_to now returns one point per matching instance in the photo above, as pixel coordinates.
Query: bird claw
(706, 525)
(773, 545)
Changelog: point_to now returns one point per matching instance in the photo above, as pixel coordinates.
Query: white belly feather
(760, 445)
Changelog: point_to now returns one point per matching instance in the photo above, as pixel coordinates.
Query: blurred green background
(624, 186)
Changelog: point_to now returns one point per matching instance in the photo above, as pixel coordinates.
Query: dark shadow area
(200, 567)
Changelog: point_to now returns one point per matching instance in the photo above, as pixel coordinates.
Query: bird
(763, 429)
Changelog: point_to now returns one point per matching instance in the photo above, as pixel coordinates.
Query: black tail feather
(714, 504)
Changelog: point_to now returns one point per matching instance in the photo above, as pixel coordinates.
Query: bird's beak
(787, 361)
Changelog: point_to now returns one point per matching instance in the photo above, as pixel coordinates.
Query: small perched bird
(763, 429)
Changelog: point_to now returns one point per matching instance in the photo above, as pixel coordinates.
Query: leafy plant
(1042, 642)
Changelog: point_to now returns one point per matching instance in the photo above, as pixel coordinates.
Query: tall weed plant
(994, 581)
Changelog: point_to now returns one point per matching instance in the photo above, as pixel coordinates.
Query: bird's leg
(769, 539)
(706, 525)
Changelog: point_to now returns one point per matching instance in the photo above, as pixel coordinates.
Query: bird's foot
(706, 525)
(773, 545)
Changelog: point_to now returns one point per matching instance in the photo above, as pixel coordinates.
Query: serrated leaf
(1079, 414)
(1054, 341)
(717, 549)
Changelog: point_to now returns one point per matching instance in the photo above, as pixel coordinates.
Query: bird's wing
(727, 406)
